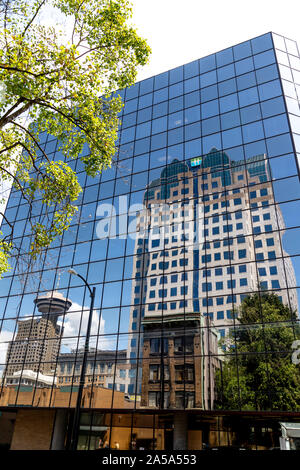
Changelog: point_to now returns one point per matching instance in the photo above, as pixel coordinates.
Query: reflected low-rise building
(30, 378)
(108, 369)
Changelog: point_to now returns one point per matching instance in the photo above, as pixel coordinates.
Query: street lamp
(76, 421)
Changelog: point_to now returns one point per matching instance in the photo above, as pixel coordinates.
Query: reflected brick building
(180, 356)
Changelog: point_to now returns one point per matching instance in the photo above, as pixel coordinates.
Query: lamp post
(76, 421)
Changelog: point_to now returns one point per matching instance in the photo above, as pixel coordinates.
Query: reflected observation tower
(36, 344)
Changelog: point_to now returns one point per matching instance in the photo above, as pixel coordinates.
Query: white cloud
(75, 323)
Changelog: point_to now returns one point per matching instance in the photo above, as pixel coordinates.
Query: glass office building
(191, 240)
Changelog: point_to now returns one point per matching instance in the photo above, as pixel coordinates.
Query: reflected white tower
(37, 341)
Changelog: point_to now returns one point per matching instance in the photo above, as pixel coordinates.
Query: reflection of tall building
(200, 216)
(36, 345)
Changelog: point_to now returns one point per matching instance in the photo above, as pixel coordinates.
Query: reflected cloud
(75, 324)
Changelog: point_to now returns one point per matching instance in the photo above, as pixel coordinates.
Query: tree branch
(8, 223)
(20, 100)
(33, 18)
(75, 21)
(9, 148)
(32, 137)
(16, 69)
(6, 120)
(5, 170)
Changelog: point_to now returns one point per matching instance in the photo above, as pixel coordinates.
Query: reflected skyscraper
(199, 216)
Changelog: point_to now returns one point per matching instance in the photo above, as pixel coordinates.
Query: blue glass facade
(191, 240)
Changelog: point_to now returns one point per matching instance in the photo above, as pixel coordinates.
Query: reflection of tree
(258, 373)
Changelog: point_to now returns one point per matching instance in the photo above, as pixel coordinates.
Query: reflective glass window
(279, 42)
(130, 106)
(160, 109)
(208, 78)
(211, 125)
(192, 114)
(295, 125)
(191, 99)
(145, 100)
(267, 74)
(192, 131)
(209, 93)
(127, 135)
(128, 120)
(282, 58)
(140, 163)
(269, 90)
(224, 73)
(210, 108)
(159, 125)
(285, 72)
(289, 89)
(158, 141)
(132, 92)
(144, 115)
(191, 84)
(175, 136)
(286, 189)
(142, 146)
(229, 120)
(262, 43)
(244, 66)
(227, 87)
(146, 86)
(143, 130)
(160, 95)
(240, 51)
(176, 104)
(161, 80)
(283, 166)
(279, 145)
(193, 148)
(210, 142)
(207, 63)
(176, 75)
(227, 103)
(224, 57)
(266, 58)
(250, 113)
(296, 76)
(272, 107)
(191, 69)
(276, 125)
(175, 120)
(176, 90)
(252, 132)
(294, 62)
(232, 137)
(247, 97)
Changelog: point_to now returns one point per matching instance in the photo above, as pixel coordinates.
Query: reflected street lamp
(76, 421)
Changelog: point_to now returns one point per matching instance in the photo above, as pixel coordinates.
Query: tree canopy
(257, 372)
(61, 80)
